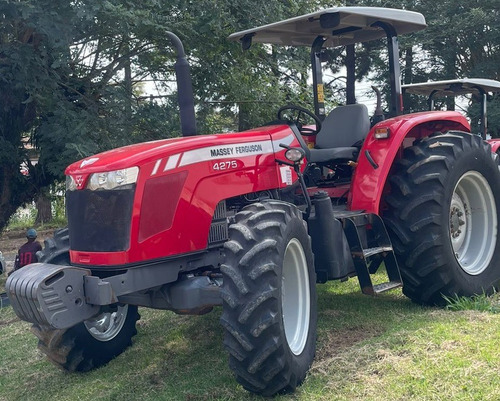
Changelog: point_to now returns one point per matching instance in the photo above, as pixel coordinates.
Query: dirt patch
(11, 241)
(345, 338)
(7, 322)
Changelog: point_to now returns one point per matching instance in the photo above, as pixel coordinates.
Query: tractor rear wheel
(94, 342)
(443, 218)
(269, 298)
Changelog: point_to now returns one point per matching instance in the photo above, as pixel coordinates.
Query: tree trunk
(128, 95)
(408, 70)
(350, 63)
(243, 117)
(44, 209)
(450, 68)
(408, 76)
(15, 190)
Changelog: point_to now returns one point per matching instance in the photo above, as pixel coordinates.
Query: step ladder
(370, 246)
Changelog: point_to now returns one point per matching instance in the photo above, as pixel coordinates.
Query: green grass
(24, 222)
(382, 348)
(480, 302)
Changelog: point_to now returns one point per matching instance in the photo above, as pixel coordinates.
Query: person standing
(27, 252)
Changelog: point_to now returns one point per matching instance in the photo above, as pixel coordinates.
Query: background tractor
(481, 90)
(253, 220)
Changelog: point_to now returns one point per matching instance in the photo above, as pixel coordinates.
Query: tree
(63, 89)
(256, 81)
(70, 72)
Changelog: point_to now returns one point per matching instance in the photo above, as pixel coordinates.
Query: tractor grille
(218, 229)
(99, 221)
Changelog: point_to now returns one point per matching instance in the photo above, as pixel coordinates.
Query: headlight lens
(70, 183)
(113, 179)
(295, 154)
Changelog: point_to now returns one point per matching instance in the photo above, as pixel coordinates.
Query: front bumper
(62, 296)
(50, 295)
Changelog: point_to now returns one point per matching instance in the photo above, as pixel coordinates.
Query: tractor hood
(129, 156)
(181, 148)
(141, 202)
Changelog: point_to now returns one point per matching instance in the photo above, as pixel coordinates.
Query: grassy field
(383, 348)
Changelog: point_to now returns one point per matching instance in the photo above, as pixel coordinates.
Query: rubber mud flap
(50, 295)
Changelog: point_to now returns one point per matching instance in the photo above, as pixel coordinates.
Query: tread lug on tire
(443, 217)
(269, 298)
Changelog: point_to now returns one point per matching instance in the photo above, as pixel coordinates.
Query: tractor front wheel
(443, 218)
(269, 298)
(94, 342)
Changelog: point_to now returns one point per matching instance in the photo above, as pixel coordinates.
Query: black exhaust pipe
(184, 88)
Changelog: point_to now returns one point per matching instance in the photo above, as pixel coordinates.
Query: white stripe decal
(226, 152)
(287, 140)
(172, 162)
(155, 168)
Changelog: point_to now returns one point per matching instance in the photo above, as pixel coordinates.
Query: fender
(369, 181)
(495, 144)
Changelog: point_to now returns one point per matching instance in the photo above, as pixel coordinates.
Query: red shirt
(27, 253)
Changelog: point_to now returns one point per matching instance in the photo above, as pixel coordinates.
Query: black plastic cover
(99, 221)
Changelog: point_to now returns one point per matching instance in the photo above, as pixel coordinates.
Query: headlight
(70, 183)
(113, 179)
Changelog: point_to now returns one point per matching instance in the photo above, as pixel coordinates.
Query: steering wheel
(306, 131)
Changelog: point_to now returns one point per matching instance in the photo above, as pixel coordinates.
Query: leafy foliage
(72, 74)
(60, 65)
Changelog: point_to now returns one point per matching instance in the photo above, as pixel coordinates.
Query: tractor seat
(341, 129)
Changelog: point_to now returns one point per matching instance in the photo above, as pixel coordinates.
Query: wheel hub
(458, 222)
(107, 325)
(473, 223)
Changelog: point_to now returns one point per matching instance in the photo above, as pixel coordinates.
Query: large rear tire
(269, 298)
(443, 218)
(94, 342)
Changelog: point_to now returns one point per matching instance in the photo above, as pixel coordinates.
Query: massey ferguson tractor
(253, 220)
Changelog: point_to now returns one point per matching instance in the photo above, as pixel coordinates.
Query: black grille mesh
(219, 228)
(99, 221)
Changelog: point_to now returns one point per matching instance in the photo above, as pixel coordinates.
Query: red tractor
(253, 220)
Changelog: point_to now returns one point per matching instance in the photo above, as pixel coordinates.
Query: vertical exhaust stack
(184, 88)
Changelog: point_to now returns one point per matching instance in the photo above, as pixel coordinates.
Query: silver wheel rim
(107, 325)
(295, 297)
(473, 223)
